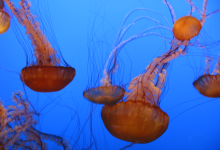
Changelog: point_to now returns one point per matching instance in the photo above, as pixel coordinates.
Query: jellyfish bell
(47, 78)
(4, 18)
(186, 27)
(104, 94)
(43, 72)
(135, 121)
(107, 93)
(208, 85)
(4, 21)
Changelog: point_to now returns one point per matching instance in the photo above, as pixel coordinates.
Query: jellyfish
(108, 92)
(44, 72)
(209, 84)
(185, 28)
(139, 118)
(4, 18)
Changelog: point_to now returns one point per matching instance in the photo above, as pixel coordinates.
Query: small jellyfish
(43, 72)
(108, 92)
(104, 94)
(4, 18)
(185, 28)
(209, 84)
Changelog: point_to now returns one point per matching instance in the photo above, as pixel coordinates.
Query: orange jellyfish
(209, 84)
(44, 73)
(108, 92)
(185, 28)
(4, 18)
(139, 118)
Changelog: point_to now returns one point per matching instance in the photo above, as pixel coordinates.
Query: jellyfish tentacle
(217, 67)
(171, 10)
(119, 45)
(127, 16)
(18, 127)
(2, 4)
(42, 47)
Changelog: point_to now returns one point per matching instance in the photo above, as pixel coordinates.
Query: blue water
(90, 27)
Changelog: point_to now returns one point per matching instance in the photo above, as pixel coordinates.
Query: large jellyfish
(138, 117)
(4, 18)
(109, 92)
(44, 72)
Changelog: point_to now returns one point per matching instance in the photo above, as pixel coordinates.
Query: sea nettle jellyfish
(43, 72)
(186, 28)
(108, 92)
(209, 83)
(4, 18)
(138, 118)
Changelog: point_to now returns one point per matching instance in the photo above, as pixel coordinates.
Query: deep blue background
(66, 112)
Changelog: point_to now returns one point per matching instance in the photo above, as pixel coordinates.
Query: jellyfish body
(185, 28)
(208, 85)
(104, 94)
(4, 18)
(47, 78)
(135, 121)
